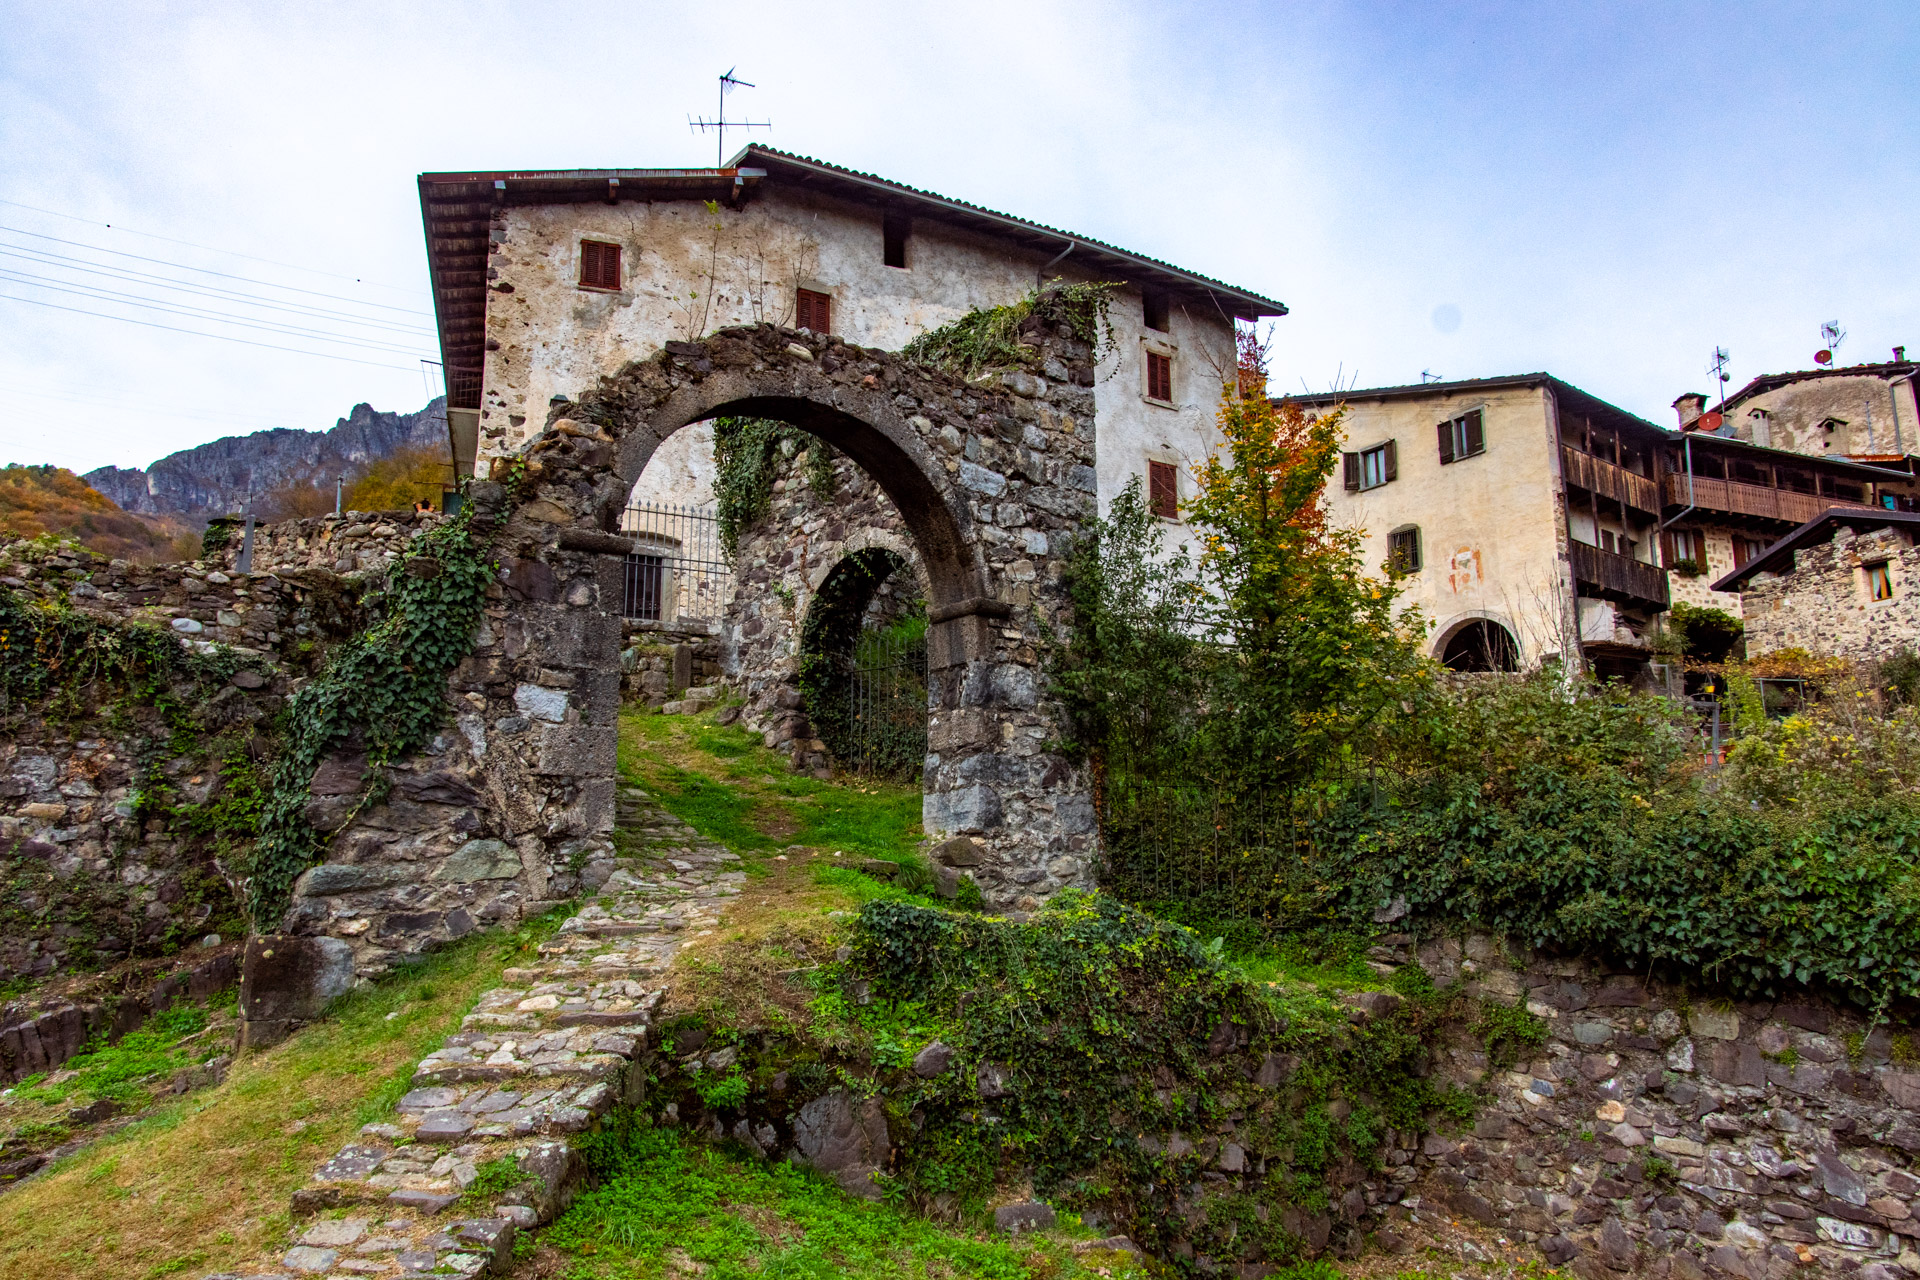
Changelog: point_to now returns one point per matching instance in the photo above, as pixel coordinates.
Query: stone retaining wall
(357, 542)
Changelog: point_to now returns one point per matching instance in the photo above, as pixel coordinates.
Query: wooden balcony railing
(1736, 498)
(1614, 577)
(1584, 471)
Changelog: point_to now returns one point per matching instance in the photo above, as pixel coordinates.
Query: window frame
(1156, 305)
(1878, 573)
(1458, 440)
(1354, 465)
(1409, 533)
(604, 247)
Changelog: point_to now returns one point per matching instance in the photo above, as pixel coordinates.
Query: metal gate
(886, 702)
(678, 571)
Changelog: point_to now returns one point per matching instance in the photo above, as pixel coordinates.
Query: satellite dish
(1823, 357)
(1710, 421)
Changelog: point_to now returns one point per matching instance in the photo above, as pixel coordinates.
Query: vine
(989, 340)
(383, 691)
(744, 471)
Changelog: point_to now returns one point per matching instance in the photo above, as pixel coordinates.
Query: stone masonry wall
(1822, 605)
(356, 542)
(1668, 1135)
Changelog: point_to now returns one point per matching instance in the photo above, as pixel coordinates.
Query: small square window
(814, 311)
(1371, 468)
(1879, 581)
(1403, 550)
(1159, 377)
(1156, 310)
(599, 265)
(1163, 490)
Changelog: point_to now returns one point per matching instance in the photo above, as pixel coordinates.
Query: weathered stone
(845, 1140)
(309, 1261)
(1028, 1215)
(444, 1127)
(287, 979)
(932, 1061)
(1715, 1024)
(335, 1233)
(480, 860)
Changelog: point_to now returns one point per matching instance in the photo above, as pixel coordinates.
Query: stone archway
(862, 664)
(991, 485)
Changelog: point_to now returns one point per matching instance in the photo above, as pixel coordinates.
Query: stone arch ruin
(992, 486)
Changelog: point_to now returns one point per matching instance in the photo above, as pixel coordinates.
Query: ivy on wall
(384, 692)
(745, 469)
(989, 340)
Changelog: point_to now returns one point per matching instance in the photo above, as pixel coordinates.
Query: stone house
(1867, 412)
(544, 281)
(1537, 522)
(1846, 584)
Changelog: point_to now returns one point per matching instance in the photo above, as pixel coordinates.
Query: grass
(722, 782)
(201, 1184)
(672, 1208)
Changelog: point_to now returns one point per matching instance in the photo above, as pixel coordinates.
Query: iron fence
(1219, 852)
(883, 729)
(677, 571)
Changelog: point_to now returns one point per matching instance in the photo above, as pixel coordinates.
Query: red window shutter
(1350, 470)
(814, 311)
(599, 264)
(1159, 377)
(1392, 471)
(1446, 443)
(1163, 490)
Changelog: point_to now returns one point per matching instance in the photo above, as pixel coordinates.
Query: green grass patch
(667, 1203)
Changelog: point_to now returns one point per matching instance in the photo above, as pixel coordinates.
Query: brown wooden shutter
(814, 310)
(1163, 490)
(1668, 557)
(1446, 443)
(1391, 469)
(1476, 436)
(1350, 469)
(1159, 377)
(599, 264)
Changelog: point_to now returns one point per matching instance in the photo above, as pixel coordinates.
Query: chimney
(1689, 407)
(1899, 355)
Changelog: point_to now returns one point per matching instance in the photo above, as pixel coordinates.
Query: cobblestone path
(543, 1058)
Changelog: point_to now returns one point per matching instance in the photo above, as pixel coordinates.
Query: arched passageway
(1480, 644)
(863, 664)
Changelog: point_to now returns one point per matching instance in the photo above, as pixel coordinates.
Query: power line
(97, 294)
(60, 261)
(224, 275)
(272, 262)
(148, 324)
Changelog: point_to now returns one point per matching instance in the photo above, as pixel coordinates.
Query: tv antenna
(1718, 368)
(720, 124)
(1831, 336)
(1428, 375)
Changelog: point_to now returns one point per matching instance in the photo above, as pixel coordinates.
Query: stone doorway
(863, 665)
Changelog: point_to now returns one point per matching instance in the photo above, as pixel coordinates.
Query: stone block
(1714, 1024)
(286, 978)
(578, 751)
(479, 860)
(330, 878)
(845, 1140)
(962, 811)
(1028, 1215)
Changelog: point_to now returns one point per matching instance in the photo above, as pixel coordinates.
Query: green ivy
(383, 691)
(744, 470)
(989, 340)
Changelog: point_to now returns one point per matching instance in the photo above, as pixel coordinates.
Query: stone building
(1867, 412)
(1846, 584)
(1536, 521)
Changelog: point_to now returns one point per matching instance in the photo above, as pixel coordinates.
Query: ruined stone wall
(355, 542)
(1823, 605)
(1669, 1133)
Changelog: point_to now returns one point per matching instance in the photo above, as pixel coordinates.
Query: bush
(1705, 634)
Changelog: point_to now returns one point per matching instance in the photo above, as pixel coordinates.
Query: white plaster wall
(688, 270)
(1490, 525)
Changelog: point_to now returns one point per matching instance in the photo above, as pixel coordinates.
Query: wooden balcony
(1607, 576)
(1596, 475)
(1735, 498)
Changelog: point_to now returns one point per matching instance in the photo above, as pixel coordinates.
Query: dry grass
(201, 1184)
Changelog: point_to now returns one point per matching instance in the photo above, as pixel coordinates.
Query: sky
(1606, 191)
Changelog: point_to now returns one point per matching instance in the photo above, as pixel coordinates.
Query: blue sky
(1603, 191)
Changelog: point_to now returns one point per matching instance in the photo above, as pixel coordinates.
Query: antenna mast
(720, 124)
(1719, 370)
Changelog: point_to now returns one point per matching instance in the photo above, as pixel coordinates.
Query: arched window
(1481, 645)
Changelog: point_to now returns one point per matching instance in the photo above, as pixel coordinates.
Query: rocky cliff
(214, 478)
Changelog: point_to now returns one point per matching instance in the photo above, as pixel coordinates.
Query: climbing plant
(744, 471)
(384, 691)
(990, 339)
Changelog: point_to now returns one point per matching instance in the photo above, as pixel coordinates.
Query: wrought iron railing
(678, 572)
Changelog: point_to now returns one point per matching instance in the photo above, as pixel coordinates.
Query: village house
(1536, 522)
(545, 281)
(1845, 584)
(1865, 412)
